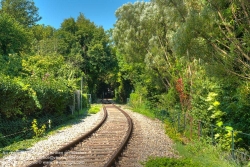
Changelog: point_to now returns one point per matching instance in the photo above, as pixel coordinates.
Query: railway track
(100, 147)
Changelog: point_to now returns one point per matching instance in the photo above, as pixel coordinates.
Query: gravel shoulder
(52, 143)
(148, 140)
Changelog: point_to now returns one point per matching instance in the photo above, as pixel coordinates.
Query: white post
(81, 93)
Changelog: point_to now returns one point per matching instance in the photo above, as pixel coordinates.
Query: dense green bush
(15, 98)
(27, 97)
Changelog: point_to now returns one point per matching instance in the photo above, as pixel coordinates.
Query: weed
(169, 162)
(38, 131)
(205, 154)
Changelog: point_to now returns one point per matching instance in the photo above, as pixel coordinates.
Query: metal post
(212, 134)
(74, 103)
(199, 128)
(184, 121)
(233, 145)
(81, 94)
(191, 127)
(178, 128)
(49, 122)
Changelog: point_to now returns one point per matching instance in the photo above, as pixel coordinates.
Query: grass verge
(205, 154)
(95, 108)
(169, 162)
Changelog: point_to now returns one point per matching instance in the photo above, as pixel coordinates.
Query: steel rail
(111, 161)
(125, 141)
(61, 151)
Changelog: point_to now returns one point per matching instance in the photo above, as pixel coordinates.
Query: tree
(44, 41)
(13, 37)
(142, 35)
(24, 11)
(218, 33)
(69, 25)
(86, 46)
(41, 32)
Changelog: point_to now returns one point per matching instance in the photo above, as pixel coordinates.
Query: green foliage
(46, 87)
(141, 106)
(135, 100)
(24, 11)
(223, 134)
(172, 132)
(94, 109)
(205, 154)
(14, 38)
(15, 99)
(3, 141)
(216, 113)
(235, 103)
(169, 99)
(19, 145)
(38, 131)
(30, 91)
(51, 67)
(12, 65)
(45, 41)
(169, 162)
(85, 45)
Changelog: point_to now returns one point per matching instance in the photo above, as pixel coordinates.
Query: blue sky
(101, 12)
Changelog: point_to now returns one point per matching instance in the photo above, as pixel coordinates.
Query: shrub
(38, 131)
(94, 109)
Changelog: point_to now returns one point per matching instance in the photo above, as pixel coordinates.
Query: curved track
(99, 147)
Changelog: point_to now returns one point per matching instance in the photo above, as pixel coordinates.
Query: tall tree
(86, 46)
(13, 37)
(44, 41)
(24, 11)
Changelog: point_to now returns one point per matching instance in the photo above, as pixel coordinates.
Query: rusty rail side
(125, 141)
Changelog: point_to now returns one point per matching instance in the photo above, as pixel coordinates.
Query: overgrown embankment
(194, 150)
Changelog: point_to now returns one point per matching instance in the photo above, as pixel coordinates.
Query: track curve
(99, 147)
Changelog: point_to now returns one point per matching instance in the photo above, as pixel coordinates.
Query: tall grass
(205, 154)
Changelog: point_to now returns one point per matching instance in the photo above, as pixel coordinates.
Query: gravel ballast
(148, 139)
(53, 142)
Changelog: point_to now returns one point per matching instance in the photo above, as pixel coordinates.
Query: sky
(101, 12)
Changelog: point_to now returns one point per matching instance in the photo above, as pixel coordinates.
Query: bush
(27, 97)
(3, 141)
(94, 109)
(38, 131)
(15, 98)
(54, 96)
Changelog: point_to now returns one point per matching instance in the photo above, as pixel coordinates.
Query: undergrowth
(144, 110)
(193, 153)
(95, 108)
(205, 154)
(169, 162)
(200, 150)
